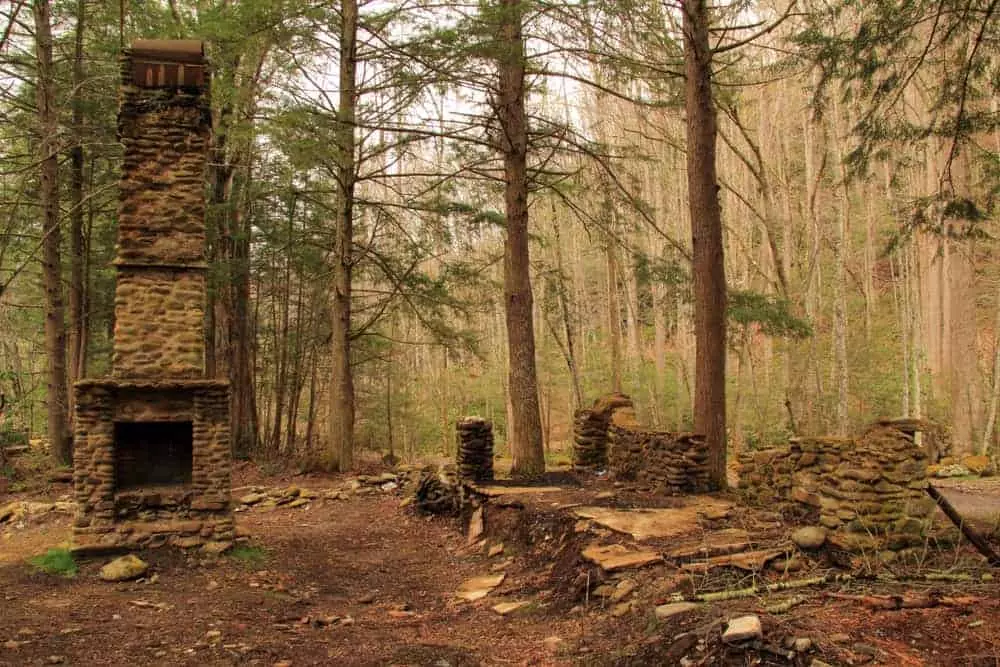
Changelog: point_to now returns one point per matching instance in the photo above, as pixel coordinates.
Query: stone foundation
(659, 461)
(869, 490)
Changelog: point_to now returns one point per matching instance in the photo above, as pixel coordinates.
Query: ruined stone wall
(868, 490)
(184, 514)
(160, 295)
(659, 461)
(590, 429)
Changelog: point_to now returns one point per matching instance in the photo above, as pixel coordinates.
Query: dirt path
(976, 500)
(393, 574)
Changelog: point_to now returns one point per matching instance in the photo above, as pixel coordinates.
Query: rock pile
(868, 490)
(474, 437)
(590, 429)
(659, 461)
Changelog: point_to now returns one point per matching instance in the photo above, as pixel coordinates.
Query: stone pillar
(474, 437)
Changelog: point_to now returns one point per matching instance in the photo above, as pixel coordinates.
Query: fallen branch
(785, 605)
(974, 537)
(752, 591)
(898, 602)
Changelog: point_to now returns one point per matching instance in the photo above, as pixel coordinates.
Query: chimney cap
(169, 50)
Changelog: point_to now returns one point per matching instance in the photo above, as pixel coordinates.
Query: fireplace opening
(152, 454)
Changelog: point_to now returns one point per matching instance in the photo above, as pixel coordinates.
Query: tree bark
(342, 381)
(77, 286)
(706, 236)
(55, 325)
(526, 425)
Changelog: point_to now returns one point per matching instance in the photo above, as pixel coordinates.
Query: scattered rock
(864, 649)
(743, 628)
(298, 502)
(476, 526)
(11, 644)
(55, 659)
(217, 548)
(213, 635)
(604, 591)
(479, 587)
(665, 611)
(495, 550)
(367, 598)
(621, 609)
(809, 537)
(840, 638)
(124, 568)
(605, 495)
(786, 565)
(801, 644)
(253, 498)
(623, 590)
(505, 608)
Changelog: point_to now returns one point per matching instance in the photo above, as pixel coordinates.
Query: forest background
(359, 191)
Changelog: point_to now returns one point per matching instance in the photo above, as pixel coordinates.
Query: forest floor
(358, 579)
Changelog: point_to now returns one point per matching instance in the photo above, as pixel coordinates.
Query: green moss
(249, 554)
(55, 562)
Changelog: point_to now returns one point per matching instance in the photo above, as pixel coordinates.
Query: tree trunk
(706, 235)
(342, 381)
(55, 325)
(77, 286)
(561, 290)
(525, 427)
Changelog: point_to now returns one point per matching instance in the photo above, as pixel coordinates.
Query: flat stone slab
(496, 491)
(479, 587)
(505, 608)
(619, 557)
(644, 524)
(665, 611)
(742, 629)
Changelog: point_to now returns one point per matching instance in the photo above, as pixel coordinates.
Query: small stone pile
(590, 429)
(659, 461)
(474, 437)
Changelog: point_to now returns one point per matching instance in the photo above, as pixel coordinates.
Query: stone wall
(869, 490)
(111, 517)
(474, 448)
(659, 461)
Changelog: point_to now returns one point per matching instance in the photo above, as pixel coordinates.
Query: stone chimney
(151, 452)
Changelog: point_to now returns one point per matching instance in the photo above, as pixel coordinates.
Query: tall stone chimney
(152, 442)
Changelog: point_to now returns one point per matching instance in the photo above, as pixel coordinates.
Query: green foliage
(250, 555)
(770, 314)
(56, 562)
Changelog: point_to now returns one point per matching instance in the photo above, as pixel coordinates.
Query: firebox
(152, 454)
(151, 450)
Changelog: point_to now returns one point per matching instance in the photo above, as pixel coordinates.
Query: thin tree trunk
(840, 286)
(706, 236)
(55, 325)
(77, 286)
(614, 316)
(342, 381)
(571, 363)
(525, 427)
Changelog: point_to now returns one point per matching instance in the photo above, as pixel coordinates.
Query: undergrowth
(58, 562)
(248, 554)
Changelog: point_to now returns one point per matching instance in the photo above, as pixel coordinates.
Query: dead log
(970, 533)
(908, 601)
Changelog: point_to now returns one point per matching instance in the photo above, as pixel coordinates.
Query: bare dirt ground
(364, 581)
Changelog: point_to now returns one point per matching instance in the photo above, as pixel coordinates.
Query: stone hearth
(151, 442)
